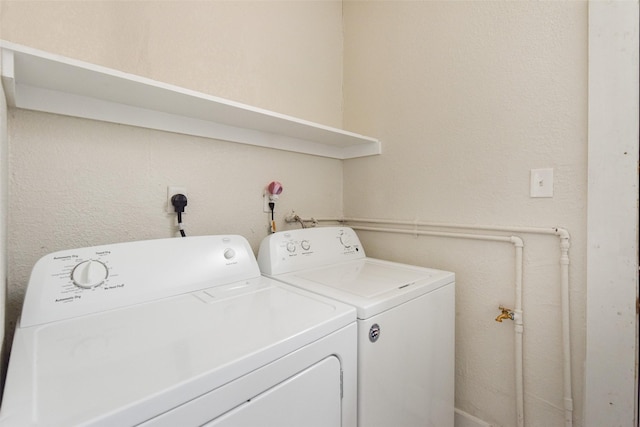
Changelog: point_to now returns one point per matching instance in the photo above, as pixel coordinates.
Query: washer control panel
(78, 282)
(294, 250)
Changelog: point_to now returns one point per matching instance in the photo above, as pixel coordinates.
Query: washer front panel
(406, 375)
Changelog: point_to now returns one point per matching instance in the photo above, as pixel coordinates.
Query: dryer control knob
(291, 247)
(305, 245)
(345, 239)
(89, 274)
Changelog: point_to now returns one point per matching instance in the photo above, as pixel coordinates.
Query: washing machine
(177, 332)
(406, 321)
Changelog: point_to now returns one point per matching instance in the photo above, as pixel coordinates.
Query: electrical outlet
(265, 202)
(171, 191)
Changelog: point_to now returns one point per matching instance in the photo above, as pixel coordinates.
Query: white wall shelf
(40, 81)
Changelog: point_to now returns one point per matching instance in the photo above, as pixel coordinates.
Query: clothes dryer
(406, 321)
(177, 332)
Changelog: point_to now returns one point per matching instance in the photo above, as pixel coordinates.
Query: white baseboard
(463, 419)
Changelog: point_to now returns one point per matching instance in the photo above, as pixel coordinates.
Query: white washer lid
(369, 284)
(124, 366)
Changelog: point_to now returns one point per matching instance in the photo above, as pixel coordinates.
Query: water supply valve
(507, 313)
(275, 189)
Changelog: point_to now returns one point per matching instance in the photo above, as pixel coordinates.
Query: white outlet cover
(541, 182)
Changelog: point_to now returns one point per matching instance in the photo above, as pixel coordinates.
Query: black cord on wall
(179, 201)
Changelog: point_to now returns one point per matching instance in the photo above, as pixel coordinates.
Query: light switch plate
(542, 182)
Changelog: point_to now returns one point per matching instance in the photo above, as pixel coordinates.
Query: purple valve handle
(274, 188)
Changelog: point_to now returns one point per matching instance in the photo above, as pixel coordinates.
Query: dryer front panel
(310, 398)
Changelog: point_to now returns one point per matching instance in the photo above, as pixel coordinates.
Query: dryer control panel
(294, 250)
(78, 282)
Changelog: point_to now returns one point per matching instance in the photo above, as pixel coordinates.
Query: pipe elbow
(517, 241)
(562, 233)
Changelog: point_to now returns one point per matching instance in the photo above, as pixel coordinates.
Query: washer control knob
(89, 274)
(229, 253)
(291, 247)
(305, 245)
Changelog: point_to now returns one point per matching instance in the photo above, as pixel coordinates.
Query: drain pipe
(566, 330)
(565, 244)
(518, 328)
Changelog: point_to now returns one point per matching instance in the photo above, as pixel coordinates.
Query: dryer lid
(125, 366)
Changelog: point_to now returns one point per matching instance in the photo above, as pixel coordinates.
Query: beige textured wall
(285, 56)
(467, 97)
(77, 182)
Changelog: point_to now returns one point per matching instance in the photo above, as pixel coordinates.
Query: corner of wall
(3, 227)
